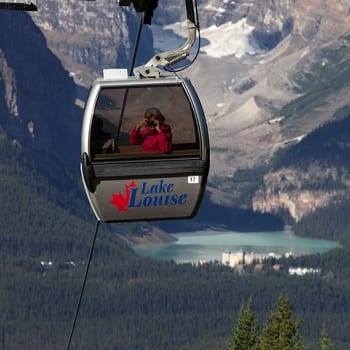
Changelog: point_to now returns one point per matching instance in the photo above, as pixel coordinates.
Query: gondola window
(119, 109)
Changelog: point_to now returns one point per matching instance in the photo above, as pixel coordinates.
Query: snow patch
(230, 39)
(217, 41)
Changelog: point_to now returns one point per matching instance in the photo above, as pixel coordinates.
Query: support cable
(136, 45)
(83, 286)
(131, 68)
(132, 63)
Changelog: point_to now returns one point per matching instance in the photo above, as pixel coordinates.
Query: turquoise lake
(209, 245)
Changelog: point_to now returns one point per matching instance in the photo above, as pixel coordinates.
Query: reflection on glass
(152, 133)
(125, 117)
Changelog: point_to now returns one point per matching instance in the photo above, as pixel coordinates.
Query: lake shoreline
(159, 235)
(152, 235)
(207, 245)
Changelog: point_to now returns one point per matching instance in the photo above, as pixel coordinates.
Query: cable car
(27, 5)
(145, 143)
(125, 181)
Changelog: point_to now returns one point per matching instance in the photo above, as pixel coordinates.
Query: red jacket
(152, 140)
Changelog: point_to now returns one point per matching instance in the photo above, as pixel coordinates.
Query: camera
(150, 123)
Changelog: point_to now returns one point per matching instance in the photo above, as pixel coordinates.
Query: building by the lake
(234, 259)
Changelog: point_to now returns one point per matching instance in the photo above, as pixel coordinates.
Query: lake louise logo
(147, 195)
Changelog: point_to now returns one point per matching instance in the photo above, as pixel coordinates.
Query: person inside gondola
(102, 142)
(152, 133)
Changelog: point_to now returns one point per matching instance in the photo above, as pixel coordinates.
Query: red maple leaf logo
(120, 200)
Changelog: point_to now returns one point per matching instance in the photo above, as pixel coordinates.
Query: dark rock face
(267, 41)
(37, 96)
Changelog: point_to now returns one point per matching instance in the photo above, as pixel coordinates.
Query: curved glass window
(143, 122)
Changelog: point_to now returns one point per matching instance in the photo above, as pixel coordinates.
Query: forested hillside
(132, 302)
(326, 149)
(328, 146)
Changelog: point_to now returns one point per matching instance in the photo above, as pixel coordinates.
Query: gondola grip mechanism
(167, 58)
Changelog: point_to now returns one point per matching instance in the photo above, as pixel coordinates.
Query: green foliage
(327, 146)
(280, 330)
(331, 222)
(325, 341)
(130, 302)
(245, 333)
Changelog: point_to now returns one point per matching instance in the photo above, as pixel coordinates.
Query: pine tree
(325, 341)
(245, 333)
(281, 331)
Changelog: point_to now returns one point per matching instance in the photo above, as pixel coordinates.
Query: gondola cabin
(26, 5)
(144, 149)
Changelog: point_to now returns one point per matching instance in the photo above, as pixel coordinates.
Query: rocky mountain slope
(88, 36)
(37, 108)
(250, 91)
(268, 73)
(240, 91)
(272, 100)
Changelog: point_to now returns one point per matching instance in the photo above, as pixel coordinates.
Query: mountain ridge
(254, 103)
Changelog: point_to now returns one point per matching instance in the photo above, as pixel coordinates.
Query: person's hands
(157, 125)
(141, 124)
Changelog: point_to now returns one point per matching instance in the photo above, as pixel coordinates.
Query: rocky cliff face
(309, 22)
(88, 36)
(298, 192)
(36, 94)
